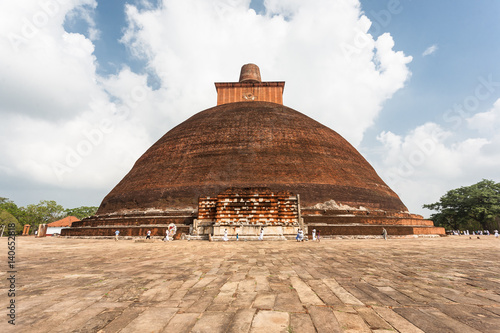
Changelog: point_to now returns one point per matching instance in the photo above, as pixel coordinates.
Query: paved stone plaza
(449, 284)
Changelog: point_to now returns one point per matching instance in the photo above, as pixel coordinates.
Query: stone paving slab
(449, 284)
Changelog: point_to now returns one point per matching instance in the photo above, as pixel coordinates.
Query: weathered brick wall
(246, 91)
(207, 208)
(369, 220)
(250, 206)
(368, 230)
(360, 212)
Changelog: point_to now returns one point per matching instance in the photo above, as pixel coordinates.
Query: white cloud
(86, 13)
(335, 71)
(488, 122)
(430, 50)
(53, 104)
(429, 160)
(46, 71)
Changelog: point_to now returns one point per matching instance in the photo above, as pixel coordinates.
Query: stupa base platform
(134, 224)
(364, 223)
(335, 223)
(376, 230)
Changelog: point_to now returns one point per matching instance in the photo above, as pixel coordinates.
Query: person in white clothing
(225, 235)
(261, 235)
(314, 234)
(301, 235)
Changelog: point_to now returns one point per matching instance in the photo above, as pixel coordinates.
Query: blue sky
(465, 34)
(416, 94)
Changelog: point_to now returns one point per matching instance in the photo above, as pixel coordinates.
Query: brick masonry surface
(250, 144)
(250, 206)
(246, 92)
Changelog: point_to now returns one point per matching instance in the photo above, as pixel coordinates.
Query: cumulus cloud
(68, 127)
(430, 50)
(486, 121)
(46, 72)
(335, 71)
(60, 127)
(428, 161)
(85, 13)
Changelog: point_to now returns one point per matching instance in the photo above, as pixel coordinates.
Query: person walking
(384, 233)
(317, 236)
(148, 234)
(314, 234)
(261, 235)
(225, 235)
(117, 232)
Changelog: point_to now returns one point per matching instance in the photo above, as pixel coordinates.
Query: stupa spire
(249, 88)
(250, 73)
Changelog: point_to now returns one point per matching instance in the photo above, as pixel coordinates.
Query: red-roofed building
(56, 227)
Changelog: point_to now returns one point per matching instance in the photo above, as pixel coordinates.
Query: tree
(7, 218)
(11, 207)
(81, 212)
(471, 207)
(44, 212)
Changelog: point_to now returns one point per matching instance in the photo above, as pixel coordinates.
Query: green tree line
(475, 207)
(45, 211)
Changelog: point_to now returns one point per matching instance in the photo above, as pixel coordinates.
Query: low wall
(124, 231)
(370, 220)
(366, 230)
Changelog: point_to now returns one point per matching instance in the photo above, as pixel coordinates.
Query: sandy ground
(449, 284)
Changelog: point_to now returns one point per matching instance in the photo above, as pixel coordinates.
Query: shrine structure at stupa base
(247, 166)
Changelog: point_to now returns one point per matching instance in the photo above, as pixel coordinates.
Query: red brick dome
(250, 144)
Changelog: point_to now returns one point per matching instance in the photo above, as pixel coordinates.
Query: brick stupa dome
(250, 144)
(248, 164)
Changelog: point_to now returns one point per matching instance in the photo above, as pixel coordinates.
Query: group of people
(225, 238)
(300, 235)
(168, 235)
(474, 233)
